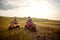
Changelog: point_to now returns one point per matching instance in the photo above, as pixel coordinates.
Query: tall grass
(48, 29)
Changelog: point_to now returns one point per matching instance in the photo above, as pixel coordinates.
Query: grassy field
(46, 29)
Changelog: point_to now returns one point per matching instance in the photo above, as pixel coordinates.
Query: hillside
(47, 29)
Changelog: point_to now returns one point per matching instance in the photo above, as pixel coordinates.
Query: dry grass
(46, 29)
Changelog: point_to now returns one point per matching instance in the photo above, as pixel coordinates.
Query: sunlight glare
(37, 9)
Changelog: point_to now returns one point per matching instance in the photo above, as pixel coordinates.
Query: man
(30, 25)
(14, 24)
(15, 21)
(29, 19)
(29, 22)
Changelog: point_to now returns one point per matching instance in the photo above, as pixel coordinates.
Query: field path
(43, 34)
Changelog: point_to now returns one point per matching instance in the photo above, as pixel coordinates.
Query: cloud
(55, 3)
(26, 8)
(5, 5)
(11, 4)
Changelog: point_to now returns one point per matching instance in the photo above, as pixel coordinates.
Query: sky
(49, 9)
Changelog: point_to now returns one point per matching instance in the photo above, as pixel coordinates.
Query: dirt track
(44, 34)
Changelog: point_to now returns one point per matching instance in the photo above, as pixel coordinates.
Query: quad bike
(14, 26)
(30, 27)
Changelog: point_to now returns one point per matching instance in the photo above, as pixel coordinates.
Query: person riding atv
(30, 25)
(14, 24)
